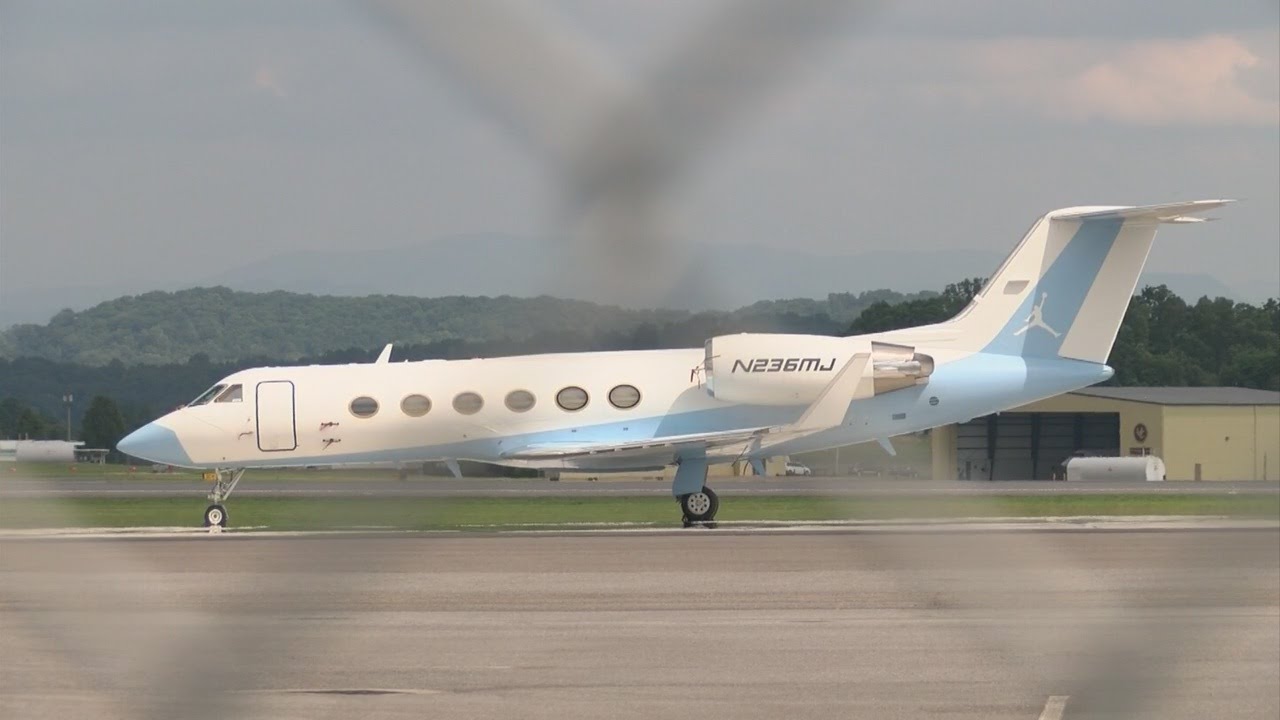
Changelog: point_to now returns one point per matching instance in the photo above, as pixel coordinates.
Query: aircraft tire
(699, 507)
(215, 515)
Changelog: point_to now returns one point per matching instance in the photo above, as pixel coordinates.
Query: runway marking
(344, 691)
(1054, 707)
(568, 525)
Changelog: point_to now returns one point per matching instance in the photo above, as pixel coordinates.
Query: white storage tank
(1145, 467)
(45, 451)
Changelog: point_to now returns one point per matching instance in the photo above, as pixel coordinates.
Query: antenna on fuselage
(385, 356)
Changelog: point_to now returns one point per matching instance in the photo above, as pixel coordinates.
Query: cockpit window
(207, 395)
(232, 394)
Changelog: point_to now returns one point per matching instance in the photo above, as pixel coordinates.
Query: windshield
(231, 394)
(207, 395)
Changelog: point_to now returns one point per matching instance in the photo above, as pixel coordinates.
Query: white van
(795, 468)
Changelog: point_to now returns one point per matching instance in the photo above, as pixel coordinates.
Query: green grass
(486, 513)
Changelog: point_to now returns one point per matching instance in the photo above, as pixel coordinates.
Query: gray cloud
(164, 141)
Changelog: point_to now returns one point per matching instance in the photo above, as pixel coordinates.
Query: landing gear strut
(700, 507)
(216, 515)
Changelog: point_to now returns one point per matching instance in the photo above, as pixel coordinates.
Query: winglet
(385, 356)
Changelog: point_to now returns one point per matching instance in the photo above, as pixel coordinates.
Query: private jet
(1043, 324)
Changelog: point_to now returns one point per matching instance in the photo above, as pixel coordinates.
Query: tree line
(1163, 340)
(162, 328)
(101, 425)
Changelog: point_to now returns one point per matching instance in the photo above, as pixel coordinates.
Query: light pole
(67, 400)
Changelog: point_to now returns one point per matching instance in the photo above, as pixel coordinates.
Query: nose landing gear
(215, 516)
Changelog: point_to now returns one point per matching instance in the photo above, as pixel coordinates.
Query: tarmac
(1159, 623)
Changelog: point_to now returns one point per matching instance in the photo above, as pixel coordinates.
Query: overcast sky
(143, 143)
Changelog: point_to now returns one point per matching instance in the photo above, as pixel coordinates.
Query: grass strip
(486, 513)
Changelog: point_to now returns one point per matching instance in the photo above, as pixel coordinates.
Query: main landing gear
(700, 507)
(215, 516)
(698, 503)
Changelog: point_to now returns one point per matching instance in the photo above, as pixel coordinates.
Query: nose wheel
(215, 516)
(699, 507)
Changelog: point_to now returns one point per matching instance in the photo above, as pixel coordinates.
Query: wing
(662, 447)
(855, 381)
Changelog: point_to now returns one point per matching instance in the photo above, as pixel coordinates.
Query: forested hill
(157, 350)
(226, 326)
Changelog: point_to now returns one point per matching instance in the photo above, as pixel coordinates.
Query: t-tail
(1064, 289)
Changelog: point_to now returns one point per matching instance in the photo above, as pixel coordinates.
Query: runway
(152, 486)
(1163, 624)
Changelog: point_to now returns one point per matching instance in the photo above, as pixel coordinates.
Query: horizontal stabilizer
(1166, 213)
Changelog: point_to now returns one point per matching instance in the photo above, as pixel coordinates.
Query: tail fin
(1065, 288)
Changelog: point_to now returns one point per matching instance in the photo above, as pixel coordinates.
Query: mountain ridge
(223, 324)
(710, 277)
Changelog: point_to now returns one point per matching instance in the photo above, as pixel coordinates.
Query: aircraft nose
(156, 443)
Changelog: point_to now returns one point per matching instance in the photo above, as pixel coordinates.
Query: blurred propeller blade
(622, 146)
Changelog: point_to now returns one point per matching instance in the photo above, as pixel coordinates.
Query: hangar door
(276, 429)
(1031, 446)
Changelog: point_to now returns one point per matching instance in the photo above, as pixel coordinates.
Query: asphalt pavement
(1159, 624)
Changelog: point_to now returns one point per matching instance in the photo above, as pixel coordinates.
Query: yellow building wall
(1228, 442)
(1153, 417)
(1268, 452)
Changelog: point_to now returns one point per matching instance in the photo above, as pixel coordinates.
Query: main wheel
(700, 506)
(215, 515)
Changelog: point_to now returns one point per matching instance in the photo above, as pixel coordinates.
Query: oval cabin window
(364, 407)
(468, 403)
(624, 397)
(572, 398)
(415, 405)
(520, 401)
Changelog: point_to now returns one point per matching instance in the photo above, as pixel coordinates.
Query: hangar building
(1204, 433)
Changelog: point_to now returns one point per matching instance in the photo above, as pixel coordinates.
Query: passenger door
(276, 429)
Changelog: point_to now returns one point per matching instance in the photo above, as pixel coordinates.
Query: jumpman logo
(1036, 319)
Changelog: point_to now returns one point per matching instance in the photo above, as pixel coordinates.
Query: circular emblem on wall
(1140, 432)
(933, 400)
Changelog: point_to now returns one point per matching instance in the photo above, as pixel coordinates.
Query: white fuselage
(323, 429)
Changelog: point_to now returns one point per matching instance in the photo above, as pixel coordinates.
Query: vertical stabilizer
(1064, 290)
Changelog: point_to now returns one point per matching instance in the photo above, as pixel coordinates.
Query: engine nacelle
(768, 369)
(771, 369)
